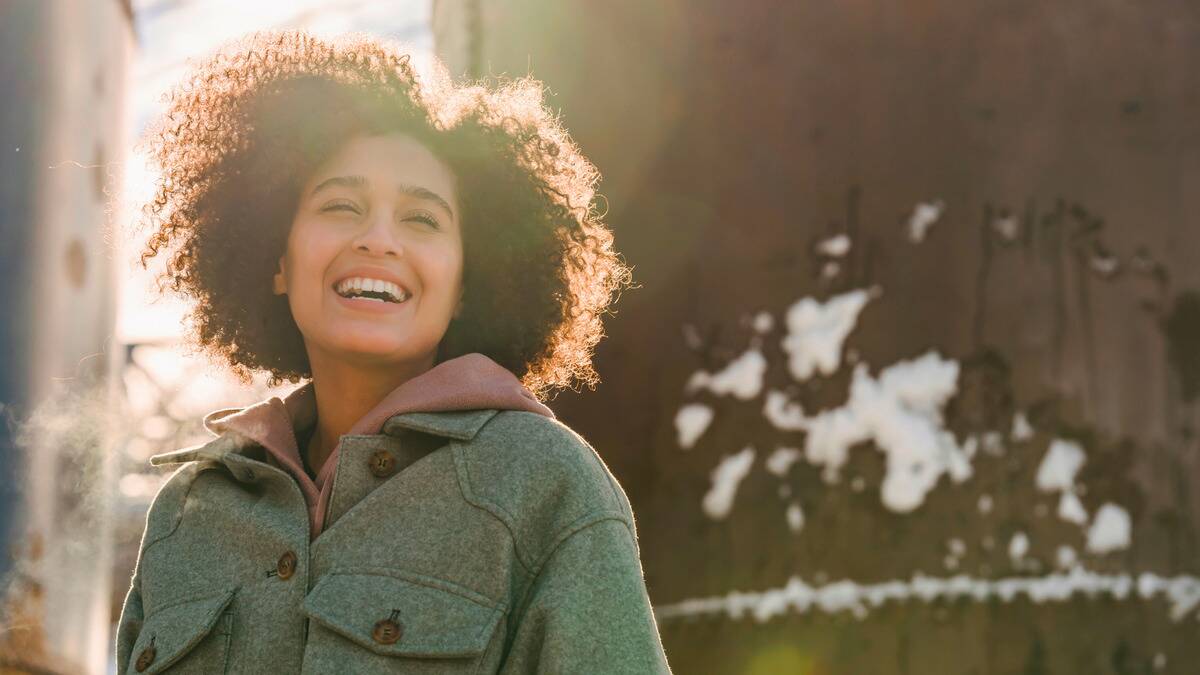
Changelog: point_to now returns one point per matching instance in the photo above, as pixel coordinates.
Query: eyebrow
(410, 190)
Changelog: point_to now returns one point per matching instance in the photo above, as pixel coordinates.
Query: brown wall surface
(1059, 281)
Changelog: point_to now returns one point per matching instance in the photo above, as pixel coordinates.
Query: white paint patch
(830, 269)
(985, 504)
(1105, 265)
(901, 412)
(742, 378)
(763, 322)
(993, 443)
(781, 460)
(817, 331)
(957, 547)
(1065, 557)
(1018, 546)
(1182, 594)
(691, 422)
(784, 414)
(725, 480)
(1007, 227)
(1111, 530)
(924, 215)
(1071, 509)
(835, 246)
(1062, 462)
(795, 517)
(1021, 429)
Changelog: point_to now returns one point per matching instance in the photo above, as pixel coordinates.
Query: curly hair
(539, 268)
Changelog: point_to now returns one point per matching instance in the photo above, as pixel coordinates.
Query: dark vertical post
(21, 81)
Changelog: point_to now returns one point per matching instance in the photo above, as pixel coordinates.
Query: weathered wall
(63, 66)
(990, 212)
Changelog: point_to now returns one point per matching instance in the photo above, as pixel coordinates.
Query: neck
(345, 393)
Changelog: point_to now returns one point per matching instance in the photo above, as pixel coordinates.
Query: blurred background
(910, 384)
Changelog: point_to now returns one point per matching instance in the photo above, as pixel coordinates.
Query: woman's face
(373, 267)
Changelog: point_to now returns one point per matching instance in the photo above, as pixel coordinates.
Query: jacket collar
(457, 424)
(461, 425)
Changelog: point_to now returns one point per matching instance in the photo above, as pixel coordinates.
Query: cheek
(444, 267)
(310, 251)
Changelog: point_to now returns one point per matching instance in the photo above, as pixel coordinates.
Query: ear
(280, 279)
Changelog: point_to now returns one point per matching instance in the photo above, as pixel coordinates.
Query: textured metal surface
(1060, 276)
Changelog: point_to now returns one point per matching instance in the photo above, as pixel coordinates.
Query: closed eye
(340, 206)
(425, 218)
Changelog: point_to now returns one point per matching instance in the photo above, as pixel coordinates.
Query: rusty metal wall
(1010, 192)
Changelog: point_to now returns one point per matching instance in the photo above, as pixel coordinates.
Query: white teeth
(362, 284)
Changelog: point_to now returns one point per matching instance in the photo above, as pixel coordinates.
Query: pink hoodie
(469, 382)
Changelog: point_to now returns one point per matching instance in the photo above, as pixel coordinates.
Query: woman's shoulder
(191, 463)
(539, 475)
(524, 443)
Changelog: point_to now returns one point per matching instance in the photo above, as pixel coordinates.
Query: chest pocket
(190, 637)
(368, 621)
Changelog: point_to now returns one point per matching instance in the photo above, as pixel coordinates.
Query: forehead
(388, 161)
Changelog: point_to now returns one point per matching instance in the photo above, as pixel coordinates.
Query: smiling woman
(246, 133)
(428, 257)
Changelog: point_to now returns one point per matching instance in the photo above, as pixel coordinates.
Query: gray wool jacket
(467, 541)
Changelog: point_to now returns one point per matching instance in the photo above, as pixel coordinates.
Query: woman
(427, 256)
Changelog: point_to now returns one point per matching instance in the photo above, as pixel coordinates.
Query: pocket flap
(173, 630)
(428, 617)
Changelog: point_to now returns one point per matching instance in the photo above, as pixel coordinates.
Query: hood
(469, 382)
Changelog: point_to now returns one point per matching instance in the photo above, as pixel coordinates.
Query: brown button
(286, 566)
(145, 659)
(387, 631)
(382, 463)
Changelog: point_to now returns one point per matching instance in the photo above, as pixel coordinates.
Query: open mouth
(375, 290)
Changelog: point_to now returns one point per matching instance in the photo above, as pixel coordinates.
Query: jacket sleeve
(130, 624)
(587, 610)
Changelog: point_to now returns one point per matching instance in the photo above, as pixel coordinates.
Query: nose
(378, 237)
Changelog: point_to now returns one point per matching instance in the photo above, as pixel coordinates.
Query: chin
(381, 352)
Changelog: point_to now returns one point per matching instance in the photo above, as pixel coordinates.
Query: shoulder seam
(532, 561)
(194, 468)
(581, 523)
(497, 512)
(593, 456)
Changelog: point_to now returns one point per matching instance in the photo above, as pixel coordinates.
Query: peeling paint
(742, 378)
(691, 422)
(795, 517)
(1182, 594)
(1110, 531)
(781, 460)
(924, 215)
(725, 480)
(835, 246)
(817, 331)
